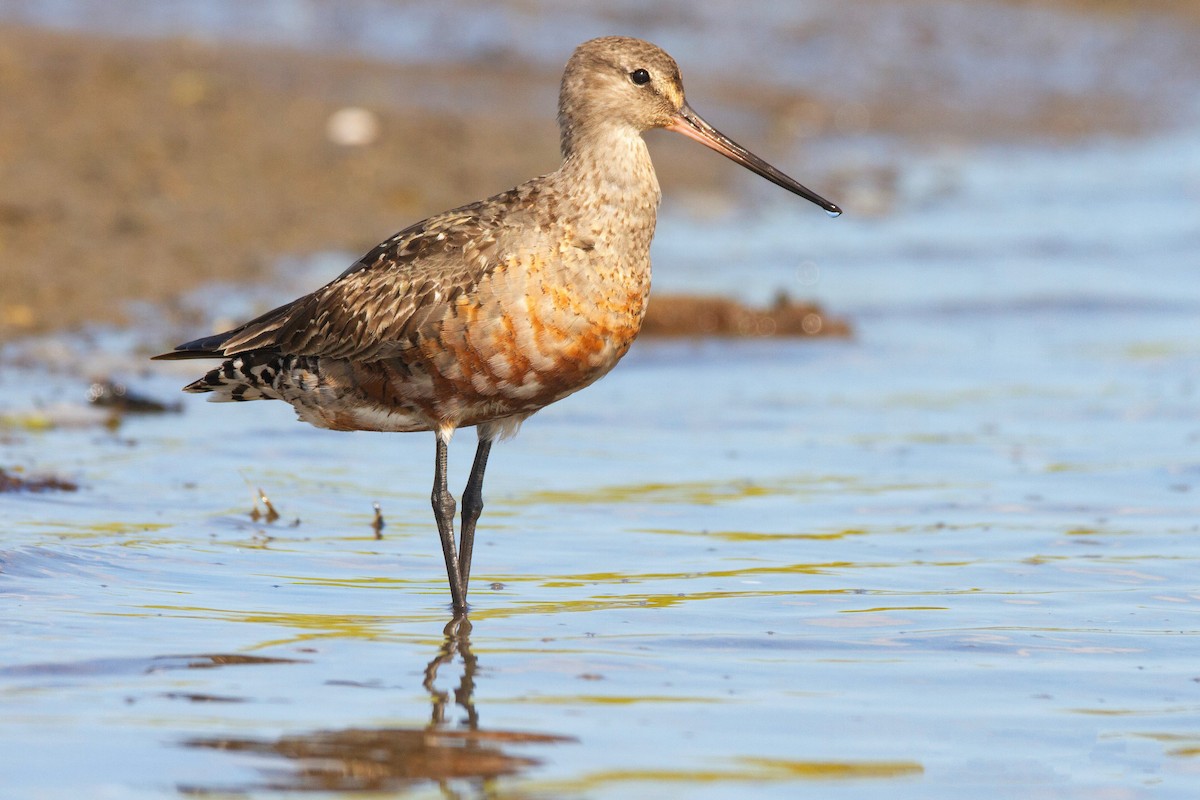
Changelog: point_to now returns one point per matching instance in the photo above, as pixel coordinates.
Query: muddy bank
(675, 315)
(133, 170)
(136, 170)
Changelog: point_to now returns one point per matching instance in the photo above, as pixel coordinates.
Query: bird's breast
(541, 325)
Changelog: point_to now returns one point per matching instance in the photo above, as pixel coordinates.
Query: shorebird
(484, 314)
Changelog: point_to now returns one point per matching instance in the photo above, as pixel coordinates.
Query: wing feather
(383, 303)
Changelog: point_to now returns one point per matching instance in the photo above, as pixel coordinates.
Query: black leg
(443, 512)
(472, 505)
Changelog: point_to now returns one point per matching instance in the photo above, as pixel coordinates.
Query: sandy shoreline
(136, 170)
(151, 167)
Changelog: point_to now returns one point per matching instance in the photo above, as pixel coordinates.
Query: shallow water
(956, 553)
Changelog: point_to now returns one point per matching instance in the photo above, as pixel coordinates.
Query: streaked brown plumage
(484, 314)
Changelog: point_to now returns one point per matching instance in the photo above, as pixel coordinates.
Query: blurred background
(150, 146)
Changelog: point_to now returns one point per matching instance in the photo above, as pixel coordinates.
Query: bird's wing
(380, 305)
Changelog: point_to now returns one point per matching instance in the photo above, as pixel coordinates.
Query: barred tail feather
(249, 376)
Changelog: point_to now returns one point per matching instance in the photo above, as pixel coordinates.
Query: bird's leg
(443, 512)
(472, 505)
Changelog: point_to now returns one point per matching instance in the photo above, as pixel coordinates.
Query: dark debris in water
(133, 666)
(270, 515)
(202, 698)
(106, 393)
(378, 524)
(228, 660)
(10, 482)
(688, 315)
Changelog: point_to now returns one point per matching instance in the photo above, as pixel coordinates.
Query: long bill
(691, 125)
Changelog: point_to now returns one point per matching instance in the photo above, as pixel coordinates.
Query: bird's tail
(253, 375)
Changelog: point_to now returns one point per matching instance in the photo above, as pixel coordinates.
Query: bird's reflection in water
(457, 641)
(462, 759)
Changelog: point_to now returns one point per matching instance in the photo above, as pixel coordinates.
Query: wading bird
(486, 313)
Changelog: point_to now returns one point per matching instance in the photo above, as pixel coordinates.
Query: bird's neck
(608, 170)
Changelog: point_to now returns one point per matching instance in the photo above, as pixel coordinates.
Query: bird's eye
(640, 77)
